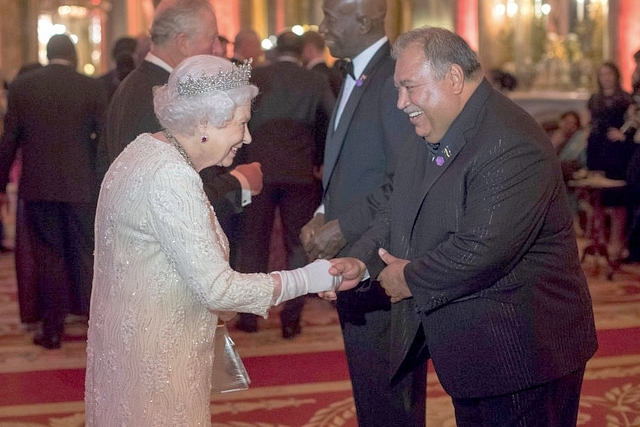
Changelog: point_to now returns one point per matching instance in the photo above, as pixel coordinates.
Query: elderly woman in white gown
(162, 276)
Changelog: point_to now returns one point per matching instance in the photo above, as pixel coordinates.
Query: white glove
(312, 278)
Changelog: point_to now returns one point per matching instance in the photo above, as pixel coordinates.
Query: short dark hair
(574, 114)
(289, 42)
(124, 46)
(60, 46)
(313, 38)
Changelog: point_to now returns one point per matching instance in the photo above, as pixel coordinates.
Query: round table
(595, 183)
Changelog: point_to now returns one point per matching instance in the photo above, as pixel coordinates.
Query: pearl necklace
(173, 141)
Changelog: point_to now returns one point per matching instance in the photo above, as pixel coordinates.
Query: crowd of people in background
(607, 145)
(327, 124)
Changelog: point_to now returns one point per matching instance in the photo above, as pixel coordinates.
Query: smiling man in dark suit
(482, 262)
(364, 138)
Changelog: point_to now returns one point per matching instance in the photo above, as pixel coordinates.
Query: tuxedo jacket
(289, 122)
(361, 152)
(500, 302)
(131, 113)
(55, 117)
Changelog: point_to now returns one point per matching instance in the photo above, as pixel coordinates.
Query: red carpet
(304, 382)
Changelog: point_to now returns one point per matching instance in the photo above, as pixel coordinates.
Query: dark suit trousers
(26, 268)
(63, 257)
(367, 346)
(296, 203)
(553, 404)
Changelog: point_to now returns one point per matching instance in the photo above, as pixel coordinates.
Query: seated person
(570, 142)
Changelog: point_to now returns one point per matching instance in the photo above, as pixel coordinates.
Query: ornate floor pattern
(304, 382)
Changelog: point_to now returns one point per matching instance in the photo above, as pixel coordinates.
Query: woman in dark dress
(609, 149)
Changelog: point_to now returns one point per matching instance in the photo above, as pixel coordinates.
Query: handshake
(322, 277)
(323, 242)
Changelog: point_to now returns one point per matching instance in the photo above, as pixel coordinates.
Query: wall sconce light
(512, 8)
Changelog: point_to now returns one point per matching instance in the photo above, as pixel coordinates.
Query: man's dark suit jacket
(360, 157)
(289, 121)
(55, 119)
(131, 113)
(361, 153)
(495, 276)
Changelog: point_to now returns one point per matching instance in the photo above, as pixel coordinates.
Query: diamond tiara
(238, 75)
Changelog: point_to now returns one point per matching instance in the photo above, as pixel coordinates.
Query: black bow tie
(346, 68)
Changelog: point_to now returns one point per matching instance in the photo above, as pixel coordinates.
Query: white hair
(181, 114)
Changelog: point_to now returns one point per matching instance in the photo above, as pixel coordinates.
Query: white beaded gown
(161, 273)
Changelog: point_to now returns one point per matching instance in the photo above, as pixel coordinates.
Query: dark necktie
(433, 148)
(346, 67)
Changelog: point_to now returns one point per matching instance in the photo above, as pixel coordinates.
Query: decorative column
(259, 17)
(139, 16)
(467, 22)
(625, 35)
(228, 14)
(14, 31)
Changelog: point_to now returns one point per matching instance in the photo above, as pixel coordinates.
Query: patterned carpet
(304, 382)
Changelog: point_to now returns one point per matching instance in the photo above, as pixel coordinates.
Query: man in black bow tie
(345, 66)
(364, 137)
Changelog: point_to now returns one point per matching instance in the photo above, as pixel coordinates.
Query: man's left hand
(392, 277)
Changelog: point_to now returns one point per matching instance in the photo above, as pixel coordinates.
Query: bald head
(351, 26)
(374, 9)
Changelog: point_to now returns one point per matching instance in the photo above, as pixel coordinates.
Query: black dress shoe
(290, 331)
(48, 342)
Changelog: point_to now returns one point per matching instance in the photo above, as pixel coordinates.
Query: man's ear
(182, 43)
(364, 24)
(456, 78)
